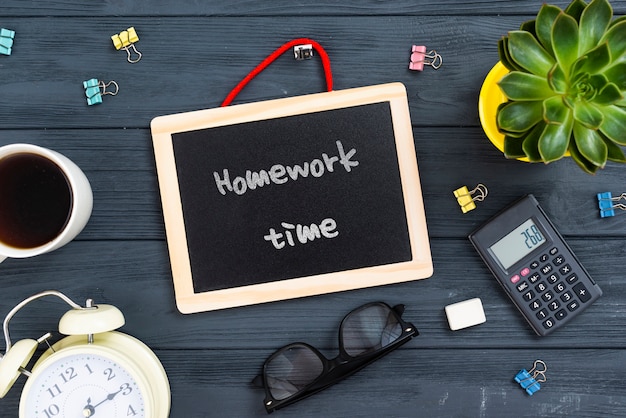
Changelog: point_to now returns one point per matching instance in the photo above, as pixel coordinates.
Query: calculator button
(571, 279)
(548, 296)
(515, 279)
(534, 265)
(572, 306)
(534, 277)
(559, 260)
(536, 304)
(542, 314)
(544, 258)
(541, 287)
(553, 278)
(546, 269)
(525, 272)
(522, 286)
(560, 314)
(554, 251)
(529, 295)
(560, 287)
(566, 269)
(548, 323)
(554, 305)
(582, 292)
(567, 296)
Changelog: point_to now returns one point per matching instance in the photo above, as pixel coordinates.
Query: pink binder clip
(419, 58)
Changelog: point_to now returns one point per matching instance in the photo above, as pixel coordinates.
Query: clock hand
(90, 410)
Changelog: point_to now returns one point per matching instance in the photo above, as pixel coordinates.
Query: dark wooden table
(193, 54)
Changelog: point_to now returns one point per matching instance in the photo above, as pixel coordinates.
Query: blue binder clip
(6, 41)
(94, 90)
(607, 204)
(530, 380)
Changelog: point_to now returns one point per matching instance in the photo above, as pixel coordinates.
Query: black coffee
(35, 200)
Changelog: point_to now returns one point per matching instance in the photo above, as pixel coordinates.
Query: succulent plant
(566, 87)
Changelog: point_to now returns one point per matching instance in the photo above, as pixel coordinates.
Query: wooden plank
(135, 276)
(412, 381)
(278, 8)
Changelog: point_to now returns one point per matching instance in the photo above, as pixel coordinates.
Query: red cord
(272, 57)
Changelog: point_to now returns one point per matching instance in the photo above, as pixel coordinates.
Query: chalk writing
(303, 233)
(280, 174)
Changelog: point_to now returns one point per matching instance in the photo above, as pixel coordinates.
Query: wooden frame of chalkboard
(291, 197)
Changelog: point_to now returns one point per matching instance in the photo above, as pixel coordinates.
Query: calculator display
(517, 244)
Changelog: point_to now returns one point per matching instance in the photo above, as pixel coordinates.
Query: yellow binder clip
(126, 40)
(467, 198)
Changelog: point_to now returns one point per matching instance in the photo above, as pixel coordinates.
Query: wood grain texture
(194, 53)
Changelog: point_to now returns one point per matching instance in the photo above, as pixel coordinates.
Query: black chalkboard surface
(291, 197)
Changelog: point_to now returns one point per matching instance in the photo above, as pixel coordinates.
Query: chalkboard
(291, 197)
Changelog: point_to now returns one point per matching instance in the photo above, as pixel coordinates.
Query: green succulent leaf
(554, 111)
(588, 115)
(590, 145)
(594, 21)
(519, 116)
(617, 74)
(531, 142)
(616, 37)
(555, 138)
(557, 79)
(614, 124)
(575, 9)
(528, 26)
(526, 51)
(582, 162)
(543, 25)
(593, 61)
(565, 41)
(505, 58)
(617, 20)
(513, 147)
(615, 153)
(609, 95)
(521, 86)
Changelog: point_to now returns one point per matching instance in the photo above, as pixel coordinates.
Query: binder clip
(126, 40)
(419, 58)
(6, 41)
(530, 381)
(607, 204)
(94, 90)
(303, 52)
(467, 198)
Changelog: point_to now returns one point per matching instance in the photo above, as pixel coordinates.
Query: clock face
(83, 385)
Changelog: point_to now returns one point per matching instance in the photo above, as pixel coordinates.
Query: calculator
(535, 266)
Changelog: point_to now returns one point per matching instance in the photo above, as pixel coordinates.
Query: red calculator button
(515, 279)
(525, 272)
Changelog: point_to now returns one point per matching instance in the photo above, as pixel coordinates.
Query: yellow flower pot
(489, 99)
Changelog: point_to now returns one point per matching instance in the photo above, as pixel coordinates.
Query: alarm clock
(93, 371)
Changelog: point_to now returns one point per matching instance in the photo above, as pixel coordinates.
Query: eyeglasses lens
(292, 369)
(369, 329)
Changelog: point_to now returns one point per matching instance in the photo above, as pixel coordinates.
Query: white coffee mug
(45, 200)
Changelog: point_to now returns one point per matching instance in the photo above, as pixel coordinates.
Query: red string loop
(273, 56)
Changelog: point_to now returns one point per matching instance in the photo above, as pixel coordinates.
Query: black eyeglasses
(366, 334)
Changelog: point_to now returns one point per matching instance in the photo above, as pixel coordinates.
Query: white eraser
(465, 314)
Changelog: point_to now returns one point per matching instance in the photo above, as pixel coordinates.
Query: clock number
(68, 375)
(131, 411)
(109, 373)
(126, 389)
(53, 410)
(54, 391)
(88, 369)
